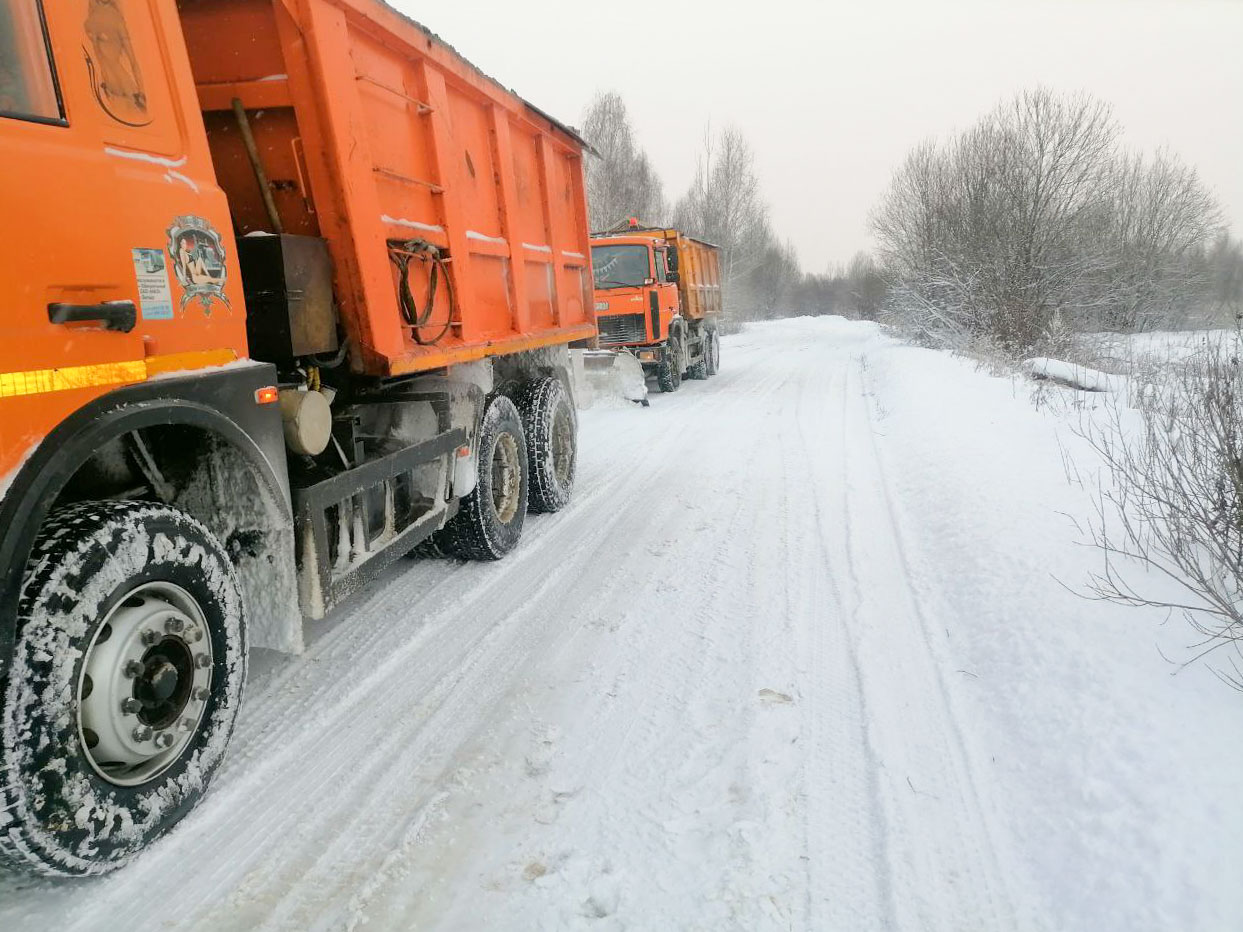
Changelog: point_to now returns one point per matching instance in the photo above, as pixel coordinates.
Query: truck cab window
(660, 266)
(27, 83)
(620, 266)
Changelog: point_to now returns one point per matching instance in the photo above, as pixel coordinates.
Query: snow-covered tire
(669, 370)
(489, 521)
(110, 585)
(698, 370)
(551, 427)
(712, 352)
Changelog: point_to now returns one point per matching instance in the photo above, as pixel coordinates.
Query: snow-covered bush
(1034, 218)
(1175, 499)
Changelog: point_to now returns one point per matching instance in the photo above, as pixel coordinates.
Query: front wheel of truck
(489, 521)
(669, 371)
(552, 442)
(123, 687)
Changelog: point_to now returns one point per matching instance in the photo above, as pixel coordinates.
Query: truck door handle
(114, 315)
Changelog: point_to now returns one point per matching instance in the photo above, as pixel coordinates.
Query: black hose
(401, 252)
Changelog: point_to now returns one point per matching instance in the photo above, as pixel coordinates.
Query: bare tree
(621, 182)
(865, 286)
(1033, 219)
(725, 206)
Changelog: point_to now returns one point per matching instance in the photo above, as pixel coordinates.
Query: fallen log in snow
(1042, 368)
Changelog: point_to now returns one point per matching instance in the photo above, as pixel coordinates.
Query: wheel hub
(506, 478)
(145, 681)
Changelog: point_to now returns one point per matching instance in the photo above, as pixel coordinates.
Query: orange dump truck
(658, 296)
(287, 290)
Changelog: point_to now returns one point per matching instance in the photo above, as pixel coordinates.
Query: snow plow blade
(603, 376)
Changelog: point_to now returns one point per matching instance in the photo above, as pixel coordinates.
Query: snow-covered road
(794, 658)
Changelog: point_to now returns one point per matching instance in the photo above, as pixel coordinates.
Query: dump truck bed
(699, 276)
(378, 137)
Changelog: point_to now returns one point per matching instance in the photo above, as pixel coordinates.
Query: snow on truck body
(290, 290)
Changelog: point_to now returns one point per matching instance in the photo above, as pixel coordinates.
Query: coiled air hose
(401, 251)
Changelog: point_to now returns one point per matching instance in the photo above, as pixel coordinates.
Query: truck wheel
(551, 428)
(489, 522)
(712, 353)
(124, 684)
(698, 370)
(669, 372)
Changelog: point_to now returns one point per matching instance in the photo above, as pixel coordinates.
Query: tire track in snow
(943, 866)
(613, 768)
(849, 837)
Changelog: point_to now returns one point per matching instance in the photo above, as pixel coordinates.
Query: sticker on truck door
(116, 76)
(155, 297)
(198, 260)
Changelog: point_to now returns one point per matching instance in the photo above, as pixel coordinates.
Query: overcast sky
(832, 94)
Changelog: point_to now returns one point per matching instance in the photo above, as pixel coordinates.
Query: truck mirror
(673, 258)
(672, 277)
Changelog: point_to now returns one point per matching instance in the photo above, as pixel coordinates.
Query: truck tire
(124, 684)
(551, 428)
(669, 371)
(489, 522)
(712, 353)
(698, 370)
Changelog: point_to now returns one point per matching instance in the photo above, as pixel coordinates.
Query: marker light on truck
(267, 395)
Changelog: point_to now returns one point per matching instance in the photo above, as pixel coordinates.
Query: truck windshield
(620, 266)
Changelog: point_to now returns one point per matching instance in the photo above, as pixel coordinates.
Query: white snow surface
(801, 654)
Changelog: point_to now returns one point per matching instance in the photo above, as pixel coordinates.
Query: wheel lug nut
(174, 626)
(201, 694)
(187, 724)
(131, 706)
(133, 668)
(148, 637)
(163, 740)
(202, 661)
(195, 634)
(142, 733)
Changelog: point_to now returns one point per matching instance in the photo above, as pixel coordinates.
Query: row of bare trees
(1037, 218)
(724, 205)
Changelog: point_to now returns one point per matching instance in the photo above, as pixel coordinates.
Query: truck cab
(658, 296)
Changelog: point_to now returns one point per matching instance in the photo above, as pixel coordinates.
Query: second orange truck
(658, 296)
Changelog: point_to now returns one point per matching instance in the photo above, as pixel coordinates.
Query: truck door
(111, 248)
(666, 292)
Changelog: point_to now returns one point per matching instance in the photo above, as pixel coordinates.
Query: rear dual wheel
(527, 457)
(712, 353)
(123, 686)
(489, 520)
(550, 425)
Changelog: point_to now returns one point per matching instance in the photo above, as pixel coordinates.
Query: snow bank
(1071, 375)
(1119, 778)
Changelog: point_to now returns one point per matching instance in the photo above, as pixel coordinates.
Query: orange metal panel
(91, 212)
(409, 142)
